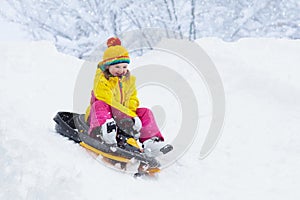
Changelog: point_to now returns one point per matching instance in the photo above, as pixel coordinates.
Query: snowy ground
(257, 157)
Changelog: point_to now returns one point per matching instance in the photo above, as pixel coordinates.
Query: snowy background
(257, 157)
(77, 27)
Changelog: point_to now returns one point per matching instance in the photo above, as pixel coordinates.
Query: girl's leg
(150, 128)
(100, 112)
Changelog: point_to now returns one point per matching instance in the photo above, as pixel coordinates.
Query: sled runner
(74, 127)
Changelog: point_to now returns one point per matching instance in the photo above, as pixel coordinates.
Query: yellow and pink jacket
(119, 93)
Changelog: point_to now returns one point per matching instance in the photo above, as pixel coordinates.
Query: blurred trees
(78, 26)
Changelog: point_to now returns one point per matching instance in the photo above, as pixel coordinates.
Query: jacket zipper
(121, 91)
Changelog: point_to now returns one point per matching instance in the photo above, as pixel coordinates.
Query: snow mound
(256, 158)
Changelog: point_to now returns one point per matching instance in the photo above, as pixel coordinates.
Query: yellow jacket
(118, 93)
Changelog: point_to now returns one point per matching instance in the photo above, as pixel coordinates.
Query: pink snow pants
(101, 111)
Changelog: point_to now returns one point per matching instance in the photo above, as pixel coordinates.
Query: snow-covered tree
(78, 26)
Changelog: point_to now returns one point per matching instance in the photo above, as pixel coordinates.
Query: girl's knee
(144, 112)
(100, 105)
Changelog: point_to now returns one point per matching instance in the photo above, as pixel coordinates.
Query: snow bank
(256, 158)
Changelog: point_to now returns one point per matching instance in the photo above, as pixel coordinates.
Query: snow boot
(106, 132)
(154, 147)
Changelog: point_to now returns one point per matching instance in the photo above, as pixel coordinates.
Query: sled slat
(106, 155)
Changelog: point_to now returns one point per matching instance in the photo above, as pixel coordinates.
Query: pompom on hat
(114, 54)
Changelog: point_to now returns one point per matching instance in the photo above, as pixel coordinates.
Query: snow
(257, 157)
(72, 25)
(12, 32)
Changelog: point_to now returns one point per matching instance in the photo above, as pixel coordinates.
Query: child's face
(119, 69)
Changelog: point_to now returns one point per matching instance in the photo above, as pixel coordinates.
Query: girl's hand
(137, 124)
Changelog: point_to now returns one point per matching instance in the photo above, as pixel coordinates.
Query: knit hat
(114, 54)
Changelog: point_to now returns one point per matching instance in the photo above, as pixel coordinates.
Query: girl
(114, 103)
